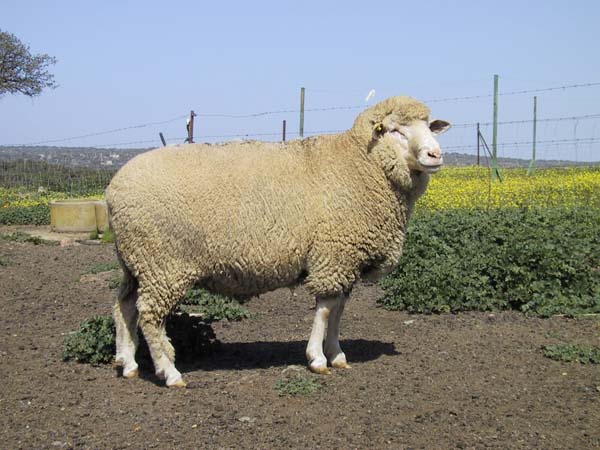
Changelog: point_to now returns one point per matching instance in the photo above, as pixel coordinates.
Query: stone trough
(78, 215)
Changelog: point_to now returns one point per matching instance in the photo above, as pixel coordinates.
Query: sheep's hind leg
(125, 315)
(317, 361)
(158, 344)
(333, 351)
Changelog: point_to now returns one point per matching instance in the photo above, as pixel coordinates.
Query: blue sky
(130, 63)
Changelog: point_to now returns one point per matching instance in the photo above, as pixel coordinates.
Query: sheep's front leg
(333, 351)
(314, 351)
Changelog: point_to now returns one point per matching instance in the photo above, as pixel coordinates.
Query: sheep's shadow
(198, 349)
(263, 355)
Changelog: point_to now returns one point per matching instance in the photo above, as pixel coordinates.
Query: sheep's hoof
(320, 370)
(134, 373)
(178, 384)
(341, 365)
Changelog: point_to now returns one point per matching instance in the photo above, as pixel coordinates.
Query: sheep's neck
(408, 197)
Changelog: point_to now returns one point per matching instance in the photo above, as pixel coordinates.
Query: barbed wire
(100, 133)
(513, 122)
(322, 109)
(520, 143)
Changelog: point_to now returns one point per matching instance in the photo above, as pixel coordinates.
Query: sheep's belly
(236, 280)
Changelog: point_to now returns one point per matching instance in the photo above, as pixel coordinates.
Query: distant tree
(20, 71)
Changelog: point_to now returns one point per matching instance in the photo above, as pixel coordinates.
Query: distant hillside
(113, 158)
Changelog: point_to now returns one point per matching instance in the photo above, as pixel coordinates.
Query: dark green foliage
(213, 307)
(541, 262)
(94, 343)
(191, 337)
(571, 352)
(25, 215)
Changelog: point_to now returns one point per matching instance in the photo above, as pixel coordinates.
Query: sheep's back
(233, 213)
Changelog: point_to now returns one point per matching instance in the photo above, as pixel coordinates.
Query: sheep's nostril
(434, 154)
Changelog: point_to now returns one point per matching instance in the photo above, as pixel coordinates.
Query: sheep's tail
(129, 284)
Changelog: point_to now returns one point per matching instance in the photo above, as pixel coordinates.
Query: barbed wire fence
(62, 164)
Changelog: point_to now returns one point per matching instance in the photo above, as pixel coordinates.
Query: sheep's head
(398, 135)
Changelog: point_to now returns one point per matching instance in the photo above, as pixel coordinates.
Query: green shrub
(94, 343)
(539, 261)
(213, 307)
(572, 352)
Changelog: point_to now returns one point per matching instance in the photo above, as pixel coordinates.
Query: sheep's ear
(439, 126)
(378, 129)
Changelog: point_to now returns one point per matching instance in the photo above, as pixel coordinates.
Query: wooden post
(283, 137)
(532, 163)
(190, 128)
(162, 138)
(302, 112)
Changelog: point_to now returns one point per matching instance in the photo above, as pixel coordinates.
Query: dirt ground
(476, 380)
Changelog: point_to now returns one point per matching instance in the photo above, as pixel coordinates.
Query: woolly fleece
(246, 218)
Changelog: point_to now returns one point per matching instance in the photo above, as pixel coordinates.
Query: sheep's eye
(399, 135)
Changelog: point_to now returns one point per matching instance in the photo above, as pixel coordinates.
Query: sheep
(242, 219)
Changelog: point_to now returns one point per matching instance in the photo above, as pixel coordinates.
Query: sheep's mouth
(431, 168)
(431, 165)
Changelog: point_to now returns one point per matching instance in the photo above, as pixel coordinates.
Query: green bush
(213, 307)
(539, 261)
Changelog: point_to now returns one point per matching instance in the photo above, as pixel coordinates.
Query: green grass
(19, 236)
(297, 386)
(115, 281)
(108, 237)
(104, 267)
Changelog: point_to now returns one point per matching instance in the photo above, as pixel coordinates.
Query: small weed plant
(19, 236)
(108, 237)
(94, 343)
(104, 267)
(573, 353)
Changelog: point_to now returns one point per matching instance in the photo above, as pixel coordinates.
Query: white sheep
(245, 218)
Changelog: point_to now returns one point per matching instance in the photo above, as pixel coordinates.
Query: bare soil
(476, 380)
